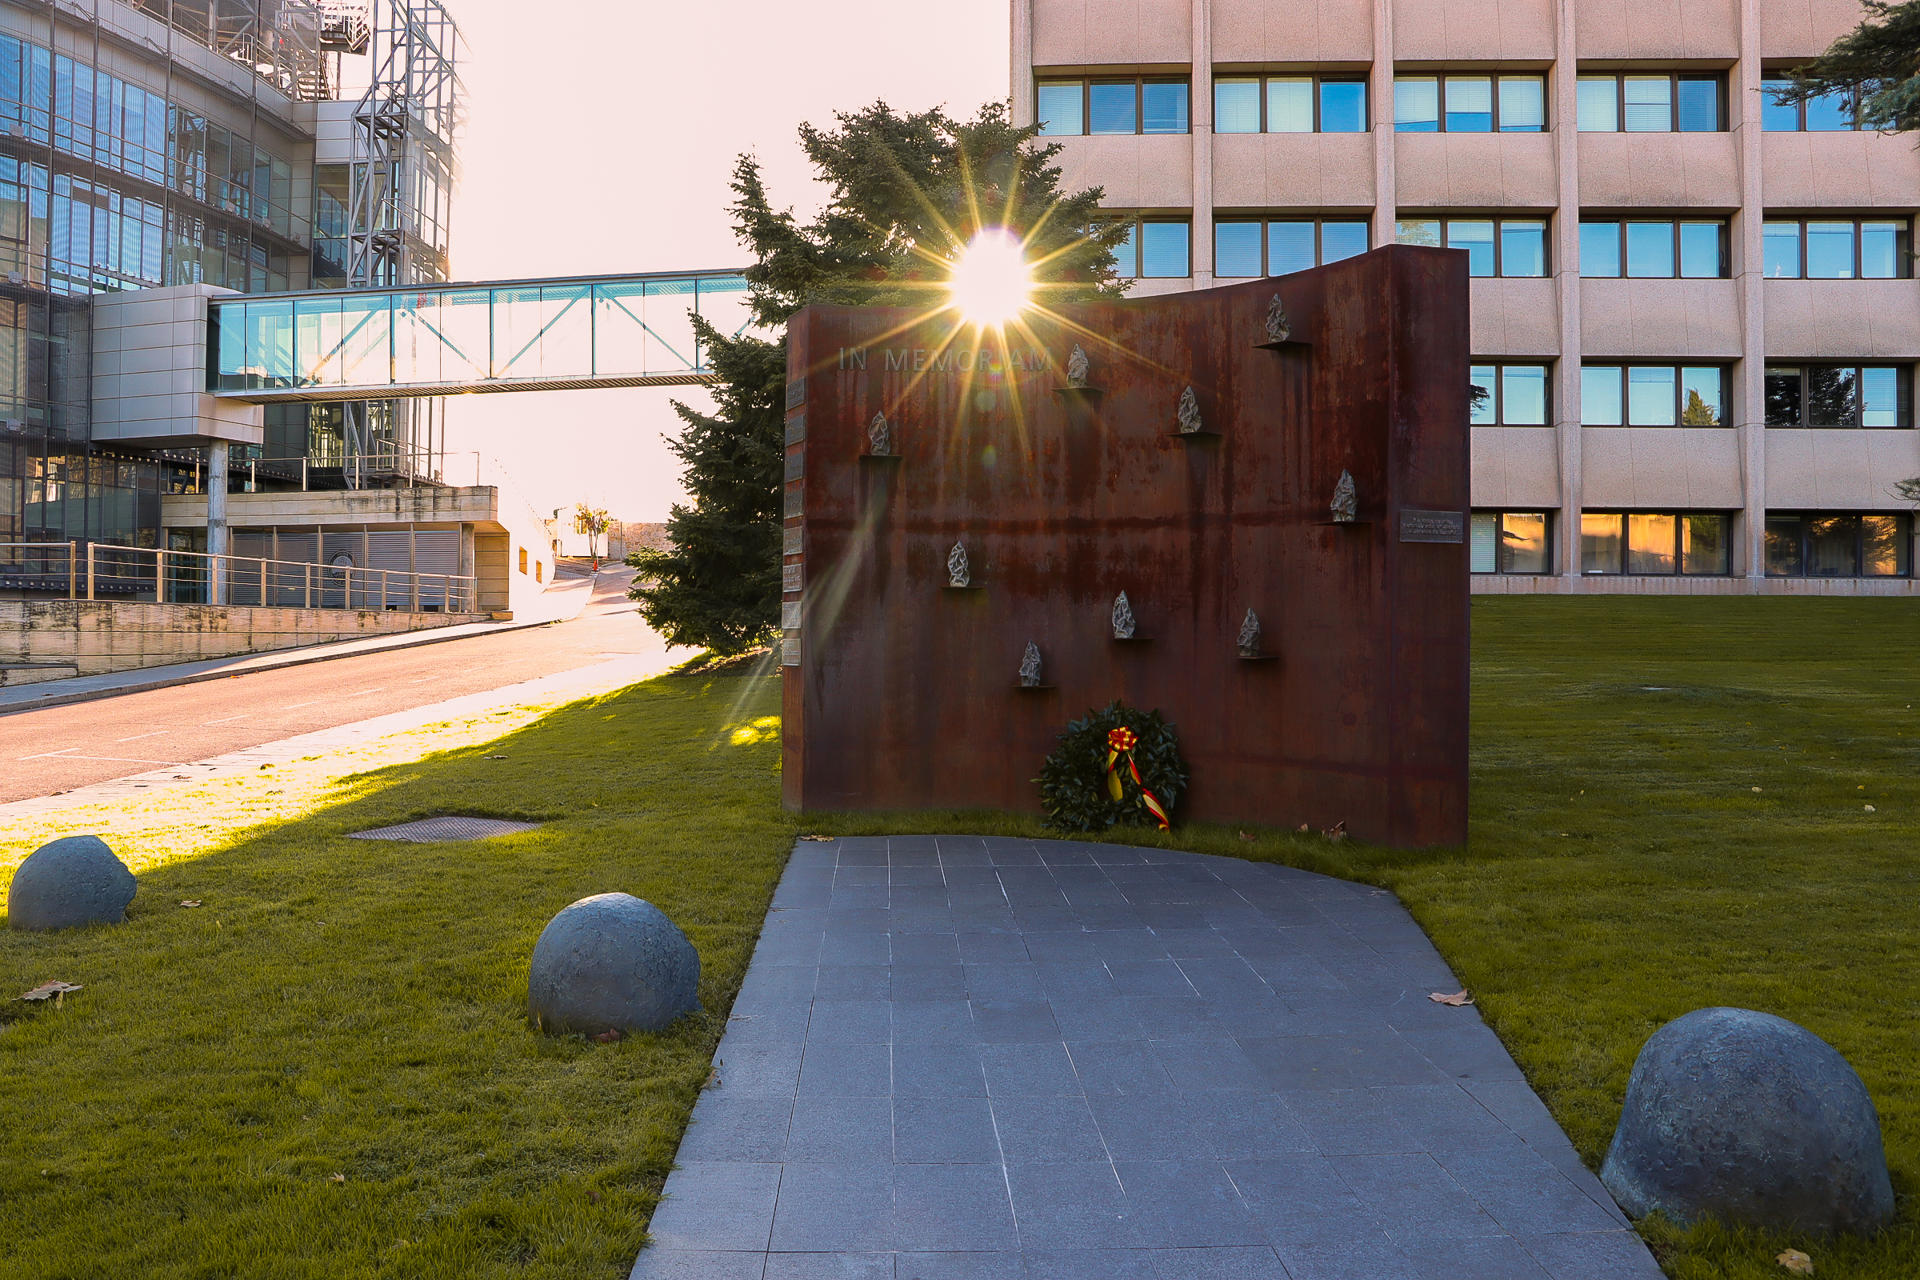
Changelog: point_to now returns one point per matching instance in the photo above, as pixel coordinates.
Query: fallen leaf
(593, 1197)
(823, 839)
(189, 902)
(338, 1177)
(1869, 808)
(493, 757)
(1303, 827)
(1457, 999)
(1338, 831)
(51, 991)
(1756, 788)
(1797, 1262)
(1247, 836)
(607, 1037)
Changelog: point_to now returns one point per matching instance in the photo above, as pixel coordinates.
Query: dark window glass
(1343, 106)
(1059, 108)
(1601, 540)
(1651, 539)
(1483, 410)
(1782, 384)
(1831, 396)
(1698, 103)
(1600, 249)
(1829, 113)
(1780, 249)
(1289, 247)
(1777, 116)
(1706, 544)
(1110, 107)
(1469, 104)
(1164, 249)
(1236, 249)
(1703, 250)
(1886, 547)
(1783, 547)
(1832, 546)
(1523, 542)
(1840, 545)
(1163, 106)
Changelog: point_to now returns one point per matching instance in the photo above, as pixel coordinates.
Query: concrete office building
(156, 154)
(1694, 313)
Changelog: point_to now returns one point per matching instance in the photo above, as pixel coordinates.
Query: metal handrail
(199, 577)
(67, 552)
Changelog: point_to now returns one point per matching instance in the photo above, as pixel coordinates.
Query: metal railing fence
(196, 577)
(41, 566)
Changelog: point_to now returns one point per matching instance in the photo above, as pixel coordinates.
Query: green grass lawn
(346, 1008)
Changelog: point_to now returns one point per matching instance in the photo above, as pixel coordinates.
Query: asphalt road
(59, 748)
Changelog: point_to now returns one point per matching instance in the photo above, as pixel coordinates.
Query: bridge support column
(217, 457)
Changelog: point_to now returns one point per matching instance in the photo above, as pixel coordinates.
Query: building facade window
(1275, 246)
(1510, 395)
(1657, 102)
(1469, 104)
(1827, 113)
(1684, 543)
(1289, 104)
(1837, 249)
(1652, 395)
(1655, 248)
(1829, 395)
(1136, 104)
(1510, 542)
(1839, 545)
(1495, 246)
(1155, 248)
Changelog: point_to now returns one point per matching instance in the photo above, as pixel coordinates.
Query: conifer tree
(906, 192)
(1879, 59)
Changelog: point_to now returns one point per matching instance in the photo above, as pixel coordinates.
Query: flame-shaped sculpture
(1030, 667)
(958, 572)
(1346, 501)
(1278, 328)
(1189, 412)
(1123, 622)
(1249, 640)
(880, 437)
(1077, 367)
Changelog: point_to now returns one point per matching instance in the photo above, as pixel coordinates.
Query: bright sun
(991, 280)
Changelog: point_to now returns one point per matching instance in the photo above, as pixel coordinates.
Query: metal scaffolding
(400, 190)
(294, 45)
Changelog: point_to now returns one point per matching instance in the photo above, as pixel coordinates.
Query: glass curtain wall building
(1695, 313)
(160, 143)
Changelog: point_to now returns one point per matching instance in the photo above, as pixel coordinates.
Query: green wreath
(1074, 782)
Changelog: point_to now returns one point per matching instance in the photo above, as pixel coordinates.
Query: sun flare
(992, 282)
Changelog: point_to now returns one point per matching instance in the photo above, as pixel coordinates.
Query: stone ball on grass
(72, 881)
(612, 962)
(1749, 1118)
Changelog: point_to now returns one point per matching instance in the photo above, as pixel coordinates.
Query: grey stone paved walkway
(957, 1058)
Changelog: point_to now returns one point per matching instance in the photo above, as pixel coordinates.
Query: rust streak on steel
(901, 692)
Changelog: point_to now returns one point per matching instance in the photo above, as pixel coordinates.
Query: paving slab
(974, 1058)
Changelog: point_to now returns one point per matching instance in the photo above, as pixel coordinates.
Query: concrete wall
(1741, 173)
(104, 636)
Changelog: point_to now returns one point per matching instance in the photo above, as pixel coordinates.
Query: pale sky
(600, 138)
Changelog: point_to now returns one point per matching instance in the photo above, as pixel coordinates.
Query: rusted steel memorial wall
(903, 691)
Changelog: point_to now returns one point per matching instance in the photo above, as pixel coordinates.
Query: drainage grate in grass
(446, 827)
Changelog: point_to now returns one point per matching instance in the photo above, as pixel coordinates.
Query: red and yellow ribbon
(1121, 742)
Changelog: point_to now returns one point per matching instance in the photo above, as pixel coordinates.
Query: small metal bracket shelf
(1035, 688)
(1297, 345)
(879, 459)
(1202, 436)
(971, 586)
(1256, 657)
(1133, 639)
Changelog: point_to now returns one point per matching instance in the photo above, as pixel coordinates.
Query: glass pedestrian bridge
(435, 340)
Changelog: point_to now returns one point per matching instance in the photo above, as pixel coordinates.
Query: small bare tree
(592, 521)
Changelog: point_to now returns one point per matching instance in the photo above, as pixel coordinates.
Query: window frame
(1547, 523)
(1138, 222)
(1674, 78)
(1903, 395)
(1621, 222)
(1139, 83)
(1679, 516)
(1499, 240)
(1315, 79)
(1679, 395)
(1803, 519)
(1799, 109)
(1265, 220)
(1903, 248)
(1499, 368)
(1494, 78)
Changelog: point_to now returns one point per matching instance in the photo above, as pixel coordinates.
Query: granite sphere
(73, 881)
(612, 962)
(1748, 1118)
